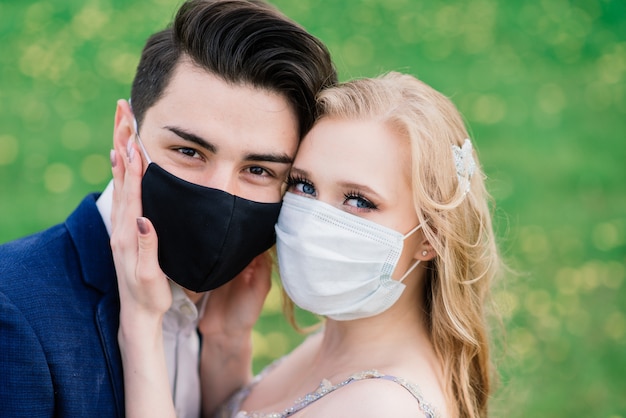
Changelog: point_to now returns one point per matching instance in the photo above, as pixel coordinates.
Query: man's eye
(258, 171)
(189, 152)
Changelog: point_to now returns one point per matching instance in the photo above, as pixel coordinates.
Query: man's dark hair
(242, 42)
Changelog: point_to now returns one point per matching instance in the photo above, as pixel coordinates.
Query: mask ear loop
(408, 234)
(410, 270)
(143, 149)
(417, 262)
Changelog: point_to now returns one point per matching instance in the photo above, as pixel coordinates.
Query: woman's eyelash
(292, 180)
(358, 195)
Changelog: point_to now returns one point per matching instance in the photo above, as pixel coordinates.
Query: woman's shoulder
(374, 394)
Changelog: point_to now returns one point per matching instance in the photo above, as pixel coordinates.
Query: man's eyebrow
(270, 158)
(188, 136)
(260, 157)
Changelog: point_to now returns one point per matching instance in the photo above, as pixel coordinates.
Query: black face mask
(206, 236)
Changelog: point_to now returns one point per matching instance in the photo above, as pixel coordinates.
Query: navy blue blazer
(59, 316)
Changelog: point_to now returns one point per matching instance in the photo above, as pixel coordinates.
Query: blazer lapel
(107, 318)
(91, 241)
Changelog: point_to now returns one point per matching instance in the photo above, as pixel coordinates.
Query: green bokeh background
(541, 84)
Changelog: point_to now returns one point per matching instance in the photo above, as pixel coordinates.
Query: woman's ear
(124, 128)
(425, 251)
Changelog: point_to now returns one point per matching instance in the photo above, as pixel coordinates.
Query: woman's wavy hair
(457, 224)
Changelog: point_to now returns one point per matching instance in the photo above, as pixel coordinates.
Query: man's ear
(124, 128)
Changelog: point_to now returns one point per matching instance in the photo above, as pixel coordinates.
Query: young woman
(385, 231)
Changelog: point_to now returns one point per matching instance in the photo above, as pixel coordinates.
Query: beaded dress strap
(326, 387)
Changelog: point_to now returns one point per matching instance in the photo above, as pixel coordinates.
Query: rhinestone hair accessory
(464, 163)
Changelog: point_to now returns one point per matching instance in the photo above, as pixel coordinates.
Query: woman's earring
(424, 253)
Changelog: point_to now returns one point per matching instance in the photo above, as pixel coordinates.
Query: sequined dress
(232, 409)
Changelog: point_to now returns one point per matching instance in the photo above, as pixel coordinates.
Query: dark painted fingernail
(113, 158)
(142, 225)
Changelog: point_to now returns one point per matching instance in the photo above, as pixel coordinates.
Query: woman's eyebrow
(361, 187)
(299, 172)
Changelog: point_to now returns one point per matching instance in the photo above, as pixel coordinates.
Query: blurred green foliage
(541, 84)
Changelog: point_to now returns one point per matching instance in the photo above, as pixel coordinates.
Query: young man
(219, 103)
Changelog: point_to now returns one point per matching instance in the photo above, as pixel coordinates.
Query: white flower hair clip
(464, 163)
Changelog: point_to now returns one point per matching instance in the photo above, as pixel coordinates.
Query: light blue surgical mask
(336, 264)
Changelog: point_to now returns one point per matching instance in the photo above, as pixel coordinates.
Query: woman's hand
(144, 291)
(235, 307)
(226, 327)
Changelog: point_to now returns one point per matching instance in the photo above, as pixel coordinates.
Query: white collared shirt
(182, 352)
(180, 336)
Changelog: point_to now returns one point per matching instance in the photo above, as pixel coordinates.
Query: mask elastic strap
(143, 149)
(408, 234)
(410, 270)
(418, 261)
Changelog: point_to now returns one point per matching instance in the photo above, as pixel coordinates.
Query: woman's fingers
(127, 173)
(151, 280)
(126, 208)
(234, 307)
(131, 196)
(262, 272)
(117, 169)
(143, 285)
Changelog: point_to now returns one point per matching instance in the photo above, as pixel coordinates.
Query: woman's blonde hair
(457, 223)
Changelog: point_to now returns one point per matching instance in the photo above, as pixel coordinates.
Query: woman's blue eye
(359, 202)
(305, 188)
(301, 185)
